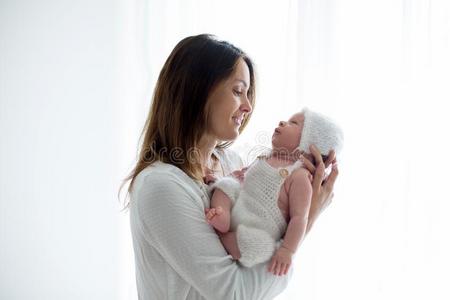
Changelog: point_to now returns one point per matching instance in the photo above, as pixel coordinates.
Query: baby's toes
(211, 213)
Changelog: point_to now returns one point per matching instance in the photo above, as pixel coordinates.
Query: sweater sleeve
(237, 159)
(172, 220)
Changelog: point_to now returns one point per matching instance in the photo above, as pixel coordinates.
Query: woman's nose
(246, 106)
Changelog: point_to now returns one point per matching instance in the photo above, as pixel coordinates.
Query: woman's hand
(322, 187)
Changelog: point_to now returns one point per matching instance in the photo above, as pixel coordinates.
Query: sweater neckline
(283, 171)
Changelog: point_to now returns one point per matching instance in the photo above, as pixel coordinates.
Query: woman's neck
(206, 148)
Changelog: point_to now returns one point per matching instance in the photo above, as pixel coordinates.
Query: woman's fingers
(318, 177)
(309, 165)
(318, 158)
(329, 184)
(316, 153)
(331, 158)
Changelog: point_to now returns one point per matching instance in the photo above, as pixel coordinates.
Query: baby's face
(288, 133)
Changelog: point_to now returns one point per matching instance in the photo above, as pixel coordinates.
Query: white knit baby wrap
(255, 215)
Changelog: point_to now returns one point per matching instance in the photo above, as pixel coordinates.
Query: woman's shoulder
(231, 158)
(160, 173)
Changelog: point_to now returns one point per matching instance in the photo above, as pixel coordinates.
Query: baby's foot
(218, 219)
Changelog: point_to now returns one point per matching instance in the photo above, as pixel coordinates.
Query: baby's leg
(219, 213)
(230, 244)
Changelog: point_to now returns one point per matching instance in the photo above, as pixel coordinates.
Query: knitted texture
(229, 185)
(255, 215)
(177, 253)
(321, 131)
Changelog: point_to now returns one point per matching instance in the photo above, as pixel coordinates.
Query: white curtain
(381, 69)
(58, 150)
(75, 85)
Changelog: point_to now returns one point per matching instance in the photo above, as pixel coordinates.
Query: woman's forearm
(313, 215)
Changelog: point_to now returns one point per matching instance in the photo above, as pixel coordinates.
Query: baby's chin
(287, 150)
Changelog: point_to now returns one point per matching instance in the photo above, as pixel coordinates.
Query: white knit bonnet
(321, 131)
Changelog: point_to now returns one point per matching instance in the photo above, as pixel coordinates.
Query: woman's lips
(237, 120)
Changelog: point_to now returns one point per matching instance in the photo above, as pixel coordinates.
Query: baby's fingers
(284, 269)
(287, 269)
(278, 269)
(281, 269)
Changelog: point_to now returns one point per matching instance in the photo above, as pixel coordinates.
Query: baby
(261, 212)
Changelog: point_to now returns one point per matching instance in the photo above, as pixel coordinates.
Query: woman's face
(229, 104)
(288, 134)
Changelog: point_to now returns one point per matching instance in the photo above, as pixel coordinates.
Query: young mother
(202, 101)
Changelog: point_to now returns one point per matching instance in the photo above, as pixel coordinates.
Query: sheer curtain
(381, 69)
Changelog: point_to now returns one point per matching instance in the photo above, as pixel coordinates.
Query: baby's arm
(299, 191)
(224, 193)
(299, 195)
(219, 213)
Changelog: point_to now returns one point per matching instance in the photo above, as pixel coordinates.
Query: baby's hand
(280, 262)
(209, 178)
(239, 174)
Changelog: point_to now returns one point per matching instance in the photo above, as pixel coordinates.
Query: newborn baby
(261, 212)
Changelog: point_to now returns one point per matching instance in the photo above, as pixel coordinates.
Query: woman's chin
(229, 136)
(234, 134)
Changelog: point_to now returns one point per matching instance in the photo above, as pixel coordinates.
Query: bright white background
(75, 86)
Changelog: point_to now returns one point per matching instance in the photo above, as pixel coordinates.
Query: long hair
(178, 116)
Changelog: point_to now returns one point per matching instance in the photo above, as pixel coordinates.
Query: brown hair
(178, 116)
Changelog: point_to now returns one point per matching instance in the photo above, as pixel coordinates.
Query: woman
(202, 101)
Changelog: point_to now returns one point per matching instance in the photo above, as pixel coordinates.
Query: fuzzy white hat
(321, 131)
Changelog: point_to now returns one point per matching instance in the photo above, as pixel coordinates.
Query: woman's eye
(238, 93)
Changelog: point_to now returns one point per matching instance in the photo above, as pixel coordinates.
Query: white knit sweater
(177, 253)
